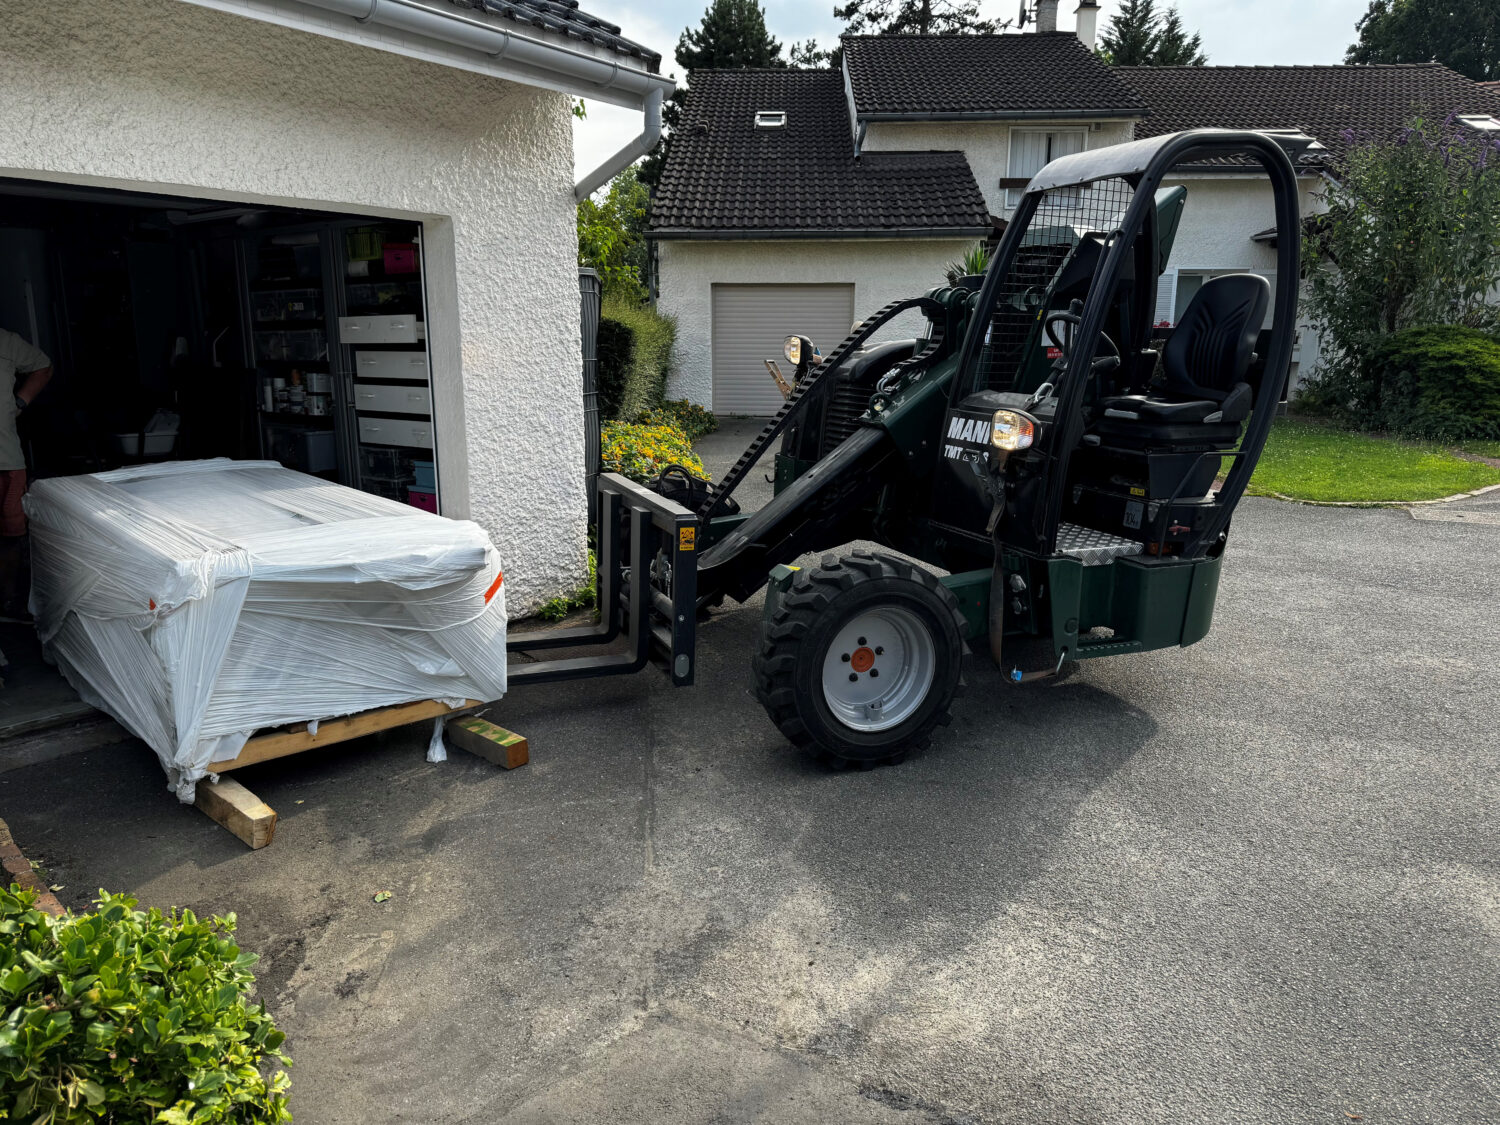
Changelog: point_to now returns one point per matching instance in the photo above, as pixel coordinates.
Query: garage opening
(183, 328)
(750, 322)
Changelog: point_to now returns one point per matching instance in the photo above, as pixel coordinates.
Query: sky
(1234, 32)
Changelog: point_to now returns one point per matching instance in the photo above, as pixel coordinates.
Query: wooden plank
(278, 744)
(488, 741)
(236, 808)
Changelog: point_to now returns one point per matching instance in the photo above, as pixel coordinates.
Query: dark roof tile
(1326, 101)
(1000, 75)
(725, 174)
(564, 17)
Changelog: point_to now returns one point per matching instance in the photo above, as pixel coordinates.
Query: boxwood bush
(129, 1016)
(1438, 382)
(635, 357)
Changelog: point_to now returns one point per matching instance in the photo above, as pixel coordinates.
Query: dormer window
(1481, 121)
(770, 119)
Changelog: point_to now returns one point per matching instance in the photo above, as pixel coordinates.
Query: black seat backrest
(1211, 348)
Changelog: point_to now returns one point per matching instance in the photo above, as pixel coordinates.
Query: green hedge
(1439, 382)
(131, 1016)
(635, 357)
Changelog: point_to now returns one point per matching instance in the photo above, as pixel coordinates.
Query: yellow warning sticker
(1137, 492)
(687, 537)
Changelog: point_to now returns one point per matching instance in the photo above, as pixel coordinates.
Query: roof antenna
(1024, 17)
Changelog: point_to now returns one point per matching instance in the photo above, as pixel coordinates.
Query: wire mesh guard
(1070, 228)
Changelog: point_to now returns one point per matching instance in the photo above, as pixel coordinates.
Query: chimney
(1088, 22)
(1046, 16)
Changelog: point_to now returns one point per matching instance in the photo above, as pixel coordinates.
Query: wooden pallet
(231, 805)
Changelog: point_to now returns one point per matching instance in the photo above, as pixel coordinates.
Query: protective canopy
(200, 601)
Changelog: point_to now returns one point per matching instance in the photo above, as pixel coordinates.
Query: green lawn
(1310, 461)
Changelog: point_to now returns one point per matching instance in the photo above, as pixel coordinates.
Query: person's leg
(13, 544)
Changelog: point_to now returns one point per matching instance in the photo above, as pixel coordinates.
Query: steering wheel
(1065, 343)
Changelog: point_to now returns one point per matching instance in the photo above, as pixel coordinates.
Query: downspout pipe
(628, 155)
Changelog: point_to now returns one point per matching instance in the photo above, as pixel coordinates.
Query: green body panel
(1065, 583)
(788, 469)
(720, 526)
(1202, 594)
(972, 589)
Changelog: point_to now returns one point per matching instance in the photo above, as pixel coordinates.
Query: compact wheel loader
(1067, 478)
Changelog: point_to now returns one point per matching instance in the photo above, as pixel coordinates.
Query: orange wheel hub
(862, 660)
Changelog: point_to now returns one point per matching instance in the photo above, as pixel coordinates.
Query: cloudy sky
(1234, 31)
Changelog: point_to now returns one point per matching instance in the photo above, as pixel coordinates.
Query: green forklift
(1067, 475)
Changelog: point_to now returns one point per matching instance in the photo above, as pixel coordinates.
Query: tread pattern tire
(787, 666)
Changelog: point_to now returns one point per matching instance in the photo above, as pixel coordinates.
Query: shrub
(131, 1016)
(1438, 382)
(1410, 237)
(642, 452)
(635, 357)
(688, 417)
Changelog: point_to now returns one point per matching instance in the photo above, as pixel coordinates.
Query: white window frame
(1013, 195)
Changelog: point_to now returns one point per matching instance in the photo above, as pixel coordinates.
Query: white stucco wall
(159, 95)
(986, 144)
(881, 270)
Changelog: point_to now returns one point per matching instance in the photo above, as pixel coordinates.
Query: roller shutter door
(749, 324)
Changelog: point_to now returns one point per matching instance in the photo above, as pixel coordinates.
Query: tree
(1462, 34)
(1139, 35)
(612, 237)
(1411, 236)
(914, 17)
(1176, 47)
(1133, 35)
(732, 34)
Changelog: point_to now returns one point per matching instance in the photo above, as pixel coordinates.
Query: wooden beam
(488, 741)
(237, 809)
(278, 744)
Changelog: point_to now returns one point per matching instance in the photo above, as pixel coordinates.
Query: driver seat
(1204, 365)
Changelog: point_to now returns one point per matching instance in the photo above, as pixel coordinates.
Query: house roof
(564, 17)
(1326, 101)
(725, 177)
(937, 76)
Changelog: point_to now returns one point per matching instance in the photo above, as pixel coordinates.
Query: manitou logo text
(975, 431)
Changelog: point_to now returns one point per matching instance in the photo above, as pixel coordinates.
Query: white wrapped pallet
(200, 601)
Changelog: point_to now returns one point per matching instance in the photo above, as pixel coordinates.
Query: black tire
(789, 666)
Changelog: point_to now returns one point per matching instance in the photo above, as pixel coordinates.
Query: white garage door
(749, 324)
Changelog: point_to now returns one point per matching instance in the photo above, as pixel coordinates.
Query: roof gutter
(680, 235)
(452, 38)
(1009, 115)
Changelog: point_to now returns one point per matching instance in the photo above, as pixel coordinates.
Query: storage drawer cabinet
(392, 400)
(377, 330)
(391, 365)
(396, 431)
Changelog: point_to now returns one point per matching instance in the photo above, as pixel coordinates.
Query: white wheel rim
(879, 669)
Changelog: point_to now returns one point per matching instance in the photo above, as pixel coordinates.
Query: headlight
(1012, 431)
(792, 349)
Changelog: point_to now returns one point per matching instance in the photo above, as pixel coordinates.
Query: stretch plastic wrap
(200, 601)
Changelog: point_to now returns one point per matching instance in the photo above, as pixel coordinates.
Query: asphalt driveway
(1253, 880)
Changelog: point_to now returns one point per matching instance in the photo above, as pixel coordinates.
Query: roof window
(770, 119)
(1481, 121)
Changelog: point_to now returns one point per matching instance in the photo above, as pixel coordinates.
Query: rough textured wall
(167, 96)
(985, 143)
(880, 270)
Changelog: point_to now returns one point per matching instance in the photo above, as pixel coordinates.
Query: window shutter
(1066, 144)
(1028, 154)
(1166, 297)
